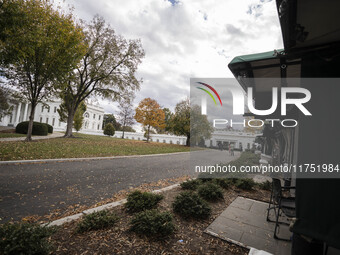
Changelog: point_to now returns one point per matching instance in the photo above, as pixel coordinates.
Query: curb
(37, 161)
(64, 220)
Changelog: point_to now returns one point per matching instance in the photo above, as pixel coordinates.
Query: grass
(9, 135)
(82, 146)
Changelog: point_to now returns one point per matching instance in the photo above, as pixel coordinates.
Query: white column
(25, 113)
(18, 114)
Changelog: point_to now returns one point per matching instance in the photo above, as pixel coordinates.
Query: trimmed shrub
(189, 205)
(267, 185)
(210, 191)
(49, 128)
(139, 201)
(97, 220)
(191, 184)
(38, 128)
(25, 238)
(224, 183)
(245, 184)
(204, 177)
(153, 223)
(109, 129)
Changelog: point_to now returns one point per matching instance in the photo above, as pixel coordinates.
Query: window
(42, 108)
(92, 125)
(87, 115)
(10, 119)
(164, 141)
(94, 116)
(98, 127)
(170, 141)
(59, 123)
(177, 142)
(46, 120)
(157, 140)
(48, 109)
(40, 119)
(53, 120)
(99, 117)
(55, 109)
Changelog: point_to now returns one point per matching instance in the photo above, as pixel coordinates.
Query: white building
(240, 140)
(48, 114)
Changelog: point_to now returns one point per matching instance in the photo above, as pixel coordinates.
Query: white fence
(159, 138)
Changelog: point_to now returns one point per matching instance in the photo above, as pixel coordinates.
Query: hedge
(38, 128)
(49, 128)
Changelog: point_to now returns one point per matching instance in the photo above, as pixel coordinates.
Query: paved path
(13, 139)
(39, 188)
(244, 221)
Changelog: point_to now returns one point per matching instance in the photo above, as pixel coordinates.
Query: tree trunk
(68, 133)
(123, 129)
(148, 136)
(30, 124)
(188, 140)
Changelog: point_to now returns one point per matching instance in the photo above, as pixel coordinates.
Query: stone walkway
(244, 223)
(13, 139)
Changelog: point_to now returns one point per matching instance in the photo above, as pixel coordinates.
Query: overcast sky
(184, 39)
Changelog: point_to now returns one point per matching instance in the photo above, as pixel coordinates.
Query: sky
(186, 39)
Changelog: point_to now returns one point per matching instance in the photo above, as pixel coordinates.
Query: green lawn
(82, 146)
(8, 135)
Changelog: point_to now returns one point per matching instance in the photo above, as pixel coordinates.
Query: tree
(186, 115)
(110, 118)
(107, 68)
(109, 130)
(129, 129)
(168, 115)
(79, 116)
(5, 107)
(150, 114)
(125, 115)
(38, 45)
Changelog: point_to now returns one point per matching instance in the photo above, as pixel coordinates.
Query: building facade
(239, 140)
(47, 113)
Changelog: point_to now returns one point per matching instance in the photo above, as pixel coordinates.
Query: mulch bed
(189, 237)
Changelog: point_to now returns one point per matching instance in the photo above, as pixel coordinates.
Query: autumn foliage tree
(150, 114)
(39, 45)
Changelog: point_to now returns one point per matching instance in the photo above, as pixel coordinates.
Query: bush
(245, 184)
(267, 185)
(223, 183)
(25, 238)
(38, 128)
(109, 129)
(190, 205)
(153, 223)
(139, 201)
(191, 184)
(49, 128)
(210, 191)
(97, 220)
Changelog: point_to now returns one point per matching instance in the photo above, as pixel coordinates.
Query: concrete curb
(64, 220)
(37, 161)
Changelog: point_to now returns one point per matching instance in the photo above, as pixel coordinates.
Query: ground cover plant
(97, 220)
(139, 201)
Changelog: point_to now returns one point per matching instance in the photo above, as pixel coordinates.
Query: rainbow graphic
(209, 93)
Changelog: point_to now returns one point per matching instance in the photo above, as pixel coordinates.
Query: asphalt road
(40, 188)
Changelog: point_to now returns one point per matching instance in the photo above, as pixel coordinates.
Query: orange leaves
(149, 113)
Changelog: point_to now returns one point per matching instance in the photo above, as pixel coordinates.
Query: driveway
(40, 188)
